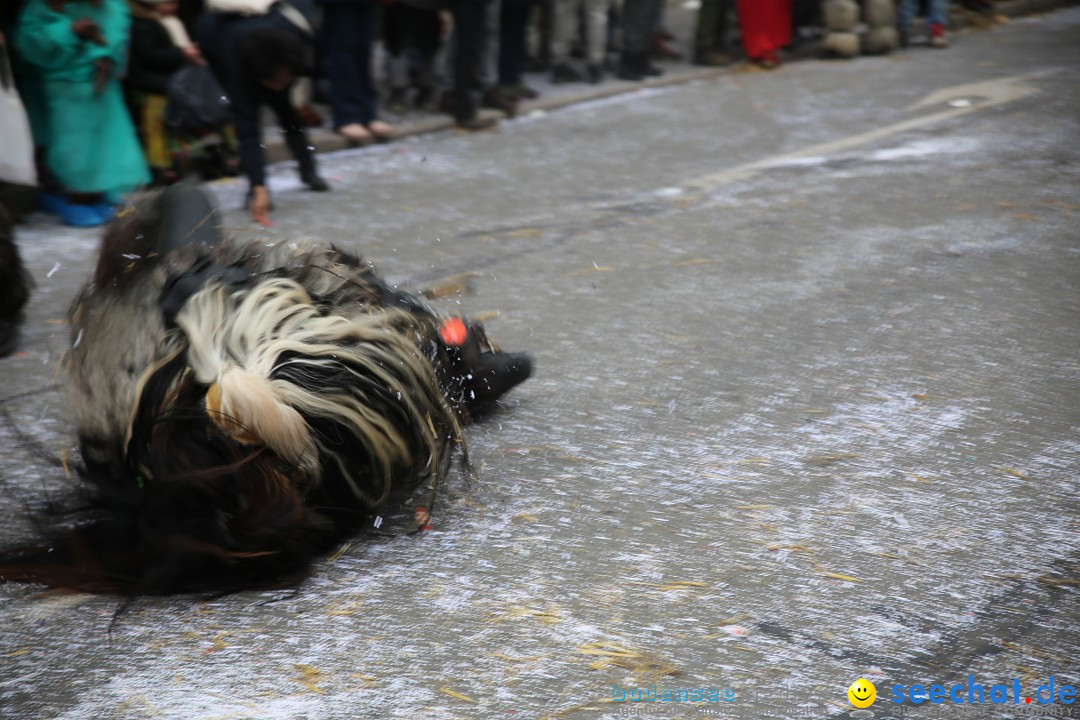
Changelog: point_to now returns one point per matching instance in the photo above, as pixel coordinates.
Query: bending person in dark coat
(256, 60)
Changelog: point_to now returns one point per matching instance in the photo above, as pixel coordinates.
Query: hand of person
(260, 206)
(103, 68)
(193, 54)
(87, 29)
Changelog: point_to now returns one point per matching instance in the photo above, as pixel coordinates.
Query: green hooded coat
(90, 143)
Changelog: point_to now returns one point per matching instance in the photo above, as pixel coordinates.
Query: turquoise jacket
(89, 140)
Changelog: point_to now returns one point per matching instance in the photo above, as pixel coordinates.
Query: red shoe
(938, 38)
(661, 49)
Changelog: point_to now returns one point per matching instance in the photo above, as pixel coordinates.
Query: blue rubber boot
(81, 215)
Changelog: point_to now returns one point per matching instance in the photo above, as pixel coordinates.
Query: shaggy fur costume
(242, 406)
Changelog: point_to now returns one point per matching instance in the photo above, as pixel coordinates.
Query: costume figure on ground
(244, 405)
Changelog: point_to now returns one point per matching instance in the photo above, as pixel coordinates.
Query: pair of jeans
(566, 23)
(641, 20)
(348, 33)
(411, 36)
(936, 14)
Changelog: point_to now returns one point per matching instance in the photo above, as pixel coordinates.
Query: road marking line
(983, 95)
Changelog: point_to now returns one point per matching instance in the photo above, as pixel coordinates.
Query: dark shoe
(477, 124)
(447, 105)
(316, 183)
(425, 95)
(519, 92)
(631, 67)
(904, 38)
(713, 58)
(395, 100)
(537, 64)
(496, 100)
(563, 73)
(594, 74)
(310, 177)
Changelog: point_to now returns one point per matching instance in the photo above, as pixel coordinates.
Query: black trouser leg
(470, 28)
(513, 24)
(296, 137)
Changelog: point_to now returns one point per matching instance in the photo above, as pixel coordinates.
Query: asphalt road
(805, 410)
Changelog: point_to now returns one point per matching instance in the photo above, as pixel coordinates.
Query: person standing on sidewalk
(347, 35)
(766, 27)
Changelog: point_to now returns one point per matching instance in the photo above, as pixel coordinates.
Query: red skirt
(765, 26)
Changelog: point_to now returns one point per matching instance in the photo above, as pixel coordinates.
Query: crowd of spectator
(101, 79)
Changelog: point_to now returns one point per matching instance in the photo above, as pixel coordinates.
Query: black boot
(311, 177)
(632, 66)
(305, 155)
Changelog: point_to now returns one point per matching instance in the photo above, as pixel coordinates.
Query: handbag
(195, 101)
(17, 149)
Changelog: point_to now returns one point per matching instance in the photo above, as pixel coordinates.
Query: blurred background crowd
(120, 94)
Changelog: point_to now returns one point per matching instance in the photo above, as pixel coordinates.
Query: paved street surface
(806, 409)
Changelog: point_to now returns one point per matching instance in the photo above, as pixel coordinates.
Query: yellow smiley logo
(862, 693)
